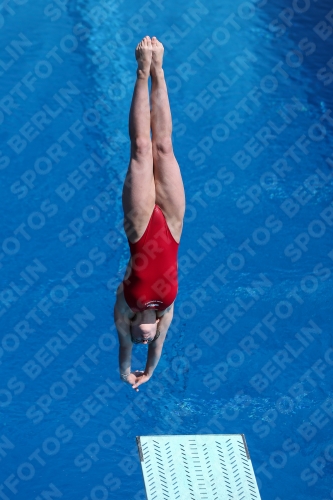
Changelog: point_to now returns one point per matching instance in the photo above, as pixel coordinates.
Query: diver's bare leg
(138, 195)
(170, 195)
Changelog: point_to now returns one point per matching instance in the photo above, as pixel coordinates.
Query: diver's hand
(141, 379)
(134, 379)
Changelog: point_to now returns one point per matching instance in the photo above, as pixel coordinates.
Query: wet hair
(147, 341)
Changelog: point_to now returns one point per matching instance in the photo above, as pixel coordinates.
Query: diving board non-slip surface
(197, 467)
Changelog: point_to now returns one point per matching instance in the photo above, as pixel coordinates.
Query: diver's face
(144, 327)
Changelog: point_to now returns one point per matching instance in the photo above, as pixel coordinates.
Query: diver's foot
(143, 54)
(157, 57)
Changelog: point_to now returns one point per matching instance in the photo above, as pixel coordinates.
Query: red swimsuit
(153, 281)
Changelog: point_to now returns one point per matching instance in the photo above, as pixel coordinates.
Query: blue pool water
(250, 348)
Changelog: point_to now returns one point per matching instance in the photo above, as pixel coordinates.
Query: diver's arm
(125, 344)
(155, 348)
(153, 357)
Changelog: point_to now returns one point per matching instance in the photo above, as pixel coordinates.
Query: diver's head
(143, 327)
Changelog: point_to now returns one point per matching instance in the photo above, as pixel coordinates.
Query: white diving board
(197, 467)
